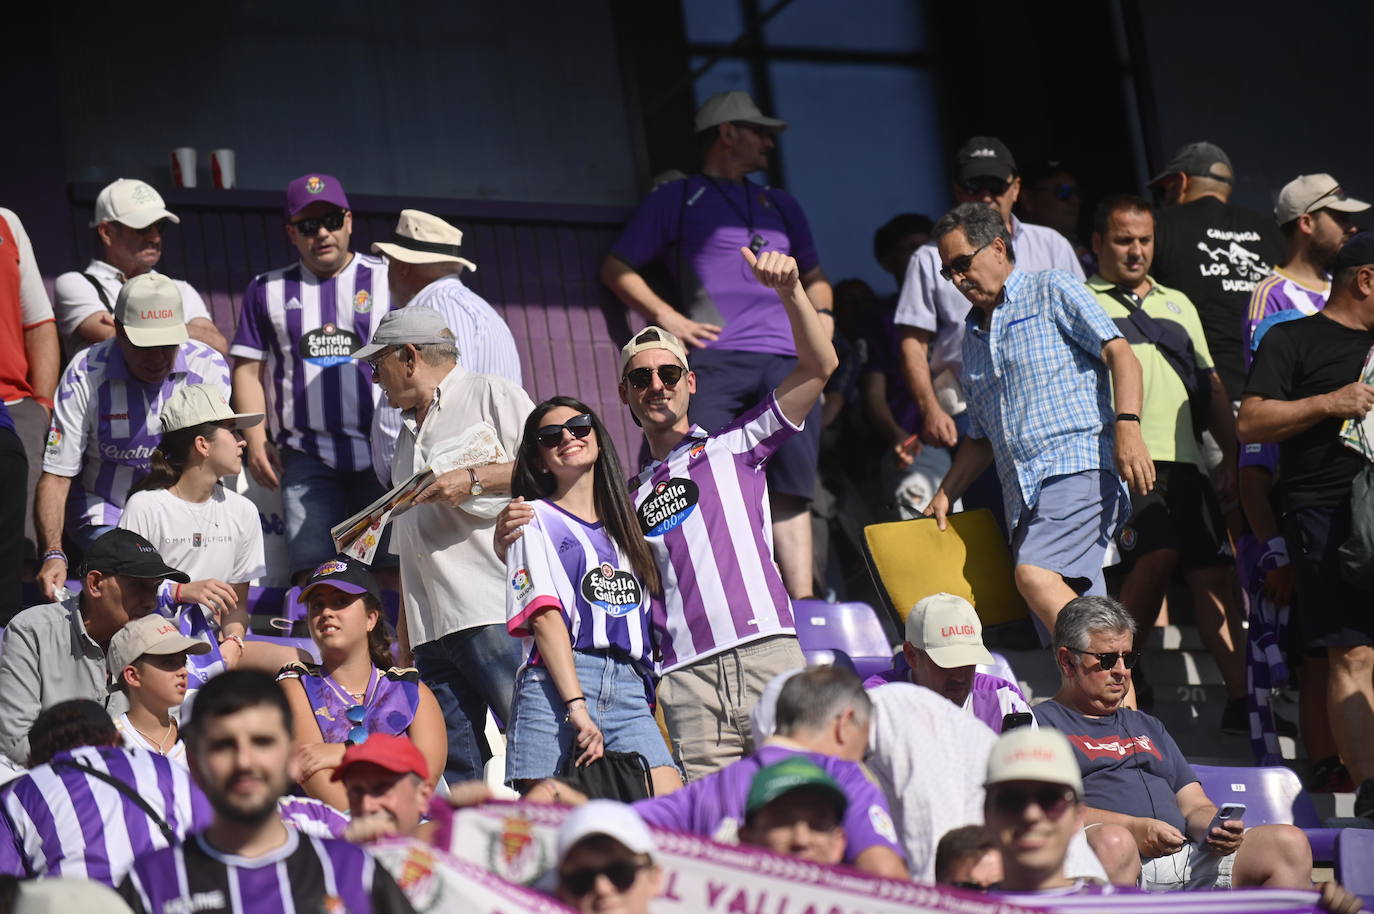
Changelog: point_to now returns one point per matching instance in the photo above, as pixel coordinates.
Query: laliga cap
(652, 337)
(1031, 754)
(736, 106)
(149, 635)
(422, 238)
(1309, 193)
(418, 326)
(196, 404)
(948, 629)
(396, 754)
(609, 818)
(130, 202)
(149, 309)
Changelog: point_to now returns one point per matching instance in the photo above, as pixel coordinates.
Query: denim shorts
(539, 741)
(314, 498)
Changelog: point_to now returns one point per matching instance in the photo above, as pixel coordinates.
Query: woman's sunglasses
(357, 733)
(622, 875)
(641, 378)
(549, 436)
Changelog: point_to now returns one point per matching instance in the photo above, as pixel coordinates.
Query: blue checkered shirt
(1037, 387)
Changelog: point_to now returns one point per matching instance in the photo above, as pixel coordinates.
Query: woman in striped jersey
(587, 681)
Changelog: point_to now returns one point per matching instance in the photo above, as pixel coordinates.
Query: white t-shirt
(220, 538)
(135, 740)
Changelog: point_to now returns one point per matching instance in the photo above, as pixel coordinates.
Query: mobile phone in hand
(1227, 813)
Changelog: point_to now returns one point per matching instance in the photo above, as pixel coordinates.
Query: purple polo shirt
(713, 806)
(696, 226)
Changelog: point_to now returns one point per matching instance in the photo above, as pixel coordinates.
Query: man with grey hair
(453, 586)
(1038, 352)
(1134, 775)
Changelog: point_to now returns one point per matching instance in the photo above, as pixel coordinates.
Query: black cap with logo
(344, 572)
(984, 157)
(125, 552)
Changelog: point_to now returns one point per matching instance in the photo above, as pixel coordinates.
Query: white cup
(184, 166)
(222, 174)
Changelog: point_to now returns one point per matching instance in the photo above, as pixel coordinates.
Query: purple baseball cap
(314, 188)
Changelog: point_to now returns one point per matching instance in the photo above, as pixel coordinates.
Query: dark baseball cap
(125, 552)
(984, 156)
(314, 188)
(344, 572)
(1357, 252)
(1196, 161)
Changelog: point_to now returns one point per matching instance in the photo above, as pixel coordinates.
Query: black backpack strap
(128, 791)
(1181, 359)
(100, 291)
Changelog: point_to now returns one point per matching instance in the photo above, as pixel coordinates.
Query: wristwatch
(476, 488)
(1128, 417)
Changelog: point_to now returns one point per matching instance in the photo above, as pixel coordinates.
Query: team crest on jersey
(330, 345)
(1173, 307)
(1129, 537)
(671, 502)
(314, 184)
(615, 591)
(696, 451)
(362, 301)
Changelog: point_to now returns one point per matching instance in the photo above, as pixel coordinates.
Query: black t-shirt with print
(1304, 358)
(1216, 253)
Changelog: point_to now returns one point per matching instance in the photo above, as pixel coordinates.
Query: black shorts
(1330, 612)
(1182, 513)
(730, 381)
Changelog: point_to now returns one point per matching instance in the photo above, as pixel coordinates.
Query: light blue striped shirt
(1037, 387)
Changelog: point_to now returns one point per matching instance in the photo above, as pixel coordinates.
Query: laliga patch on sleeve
(882, 823)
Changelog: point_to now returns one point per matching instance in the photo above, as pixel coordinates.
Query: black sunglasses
(976, 886)
(960, 264)
(641, 378)
(1109, 659)
(331, 221)
(578, 426)
(1052, 800)
(985, 185)
(622, 875)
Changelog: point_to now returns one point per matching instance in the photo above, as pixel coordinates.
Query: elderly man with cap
(56, 651)
(131, 221)
(387, 781)
(738, 336)
(606, 860)
(1213, 251)
(423, 267)
(106, 426)
(298, 326)
(1309, 378)
(931, 311)
(453, 586)
(942, 651)
(794, 808)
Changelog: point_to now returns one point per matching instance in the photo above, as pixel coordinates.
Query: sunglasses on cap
(985, 184)
(1053, 800)
(622, 875)
(641, 378)
(959, 264)
(1109, 659)
(332, 222)
(549, 436)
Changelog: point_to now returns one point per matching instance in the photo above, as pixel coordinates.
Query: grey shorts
(1069, 528)
(1190, 867)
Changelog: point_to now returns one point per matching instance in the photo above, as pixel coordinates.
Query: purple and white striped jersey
(1279, 292)
(319, 401)
(563, 562)
(59, 821)
(312, 817)
(705, 512)
(306, 873)
(105, 424)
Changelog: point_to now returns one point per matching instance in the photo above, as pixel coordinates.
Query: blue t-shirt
(1129, 762)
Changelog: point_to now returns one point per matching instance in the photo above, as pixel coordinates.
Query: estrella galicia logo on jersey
(671, 503)
(329, 346)
(616, 592)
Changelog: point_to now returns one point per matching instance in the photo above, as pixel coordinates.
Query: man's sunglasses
(1052, 799)
(976, 187)
(332, 222)
(160, 226)
(549, 436)
(622, 875)
(959, 264)
(1109, 659)
(641, 378)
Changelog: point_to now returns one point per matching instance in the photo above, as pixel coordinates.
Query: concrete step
(1334, 805)
(1173, 638)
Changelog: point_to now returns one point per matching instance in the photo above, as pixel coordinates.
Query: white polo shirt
(77, 299)
(450, 577)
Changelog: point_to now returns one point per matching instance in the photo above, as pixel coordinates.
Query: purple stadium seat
(1272, 796)
(1354, 854)
(852, 629)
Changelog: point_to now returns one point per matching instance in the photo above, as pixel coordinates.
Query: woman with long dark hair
(581, 581)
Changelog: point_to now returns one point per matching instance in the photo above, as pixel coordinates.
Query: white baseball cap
(130, 202)
(152, 634)
(196, 404)
(149, 308)
(948, 629)
(1309, 193)
(1034, 754)
(652, 337)
(609, 818)
(422, 238)
(736, 106)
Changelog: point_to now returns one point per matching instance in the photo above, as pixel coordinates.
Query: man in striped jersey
(90, 807)
(239, 747)
(298, 326)
(105, 424)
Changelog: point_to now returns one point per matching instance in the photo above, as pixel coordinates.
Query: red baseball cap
(394, 753)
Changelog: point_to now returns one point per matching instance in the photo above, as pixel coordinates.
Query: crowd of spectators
(633, 637)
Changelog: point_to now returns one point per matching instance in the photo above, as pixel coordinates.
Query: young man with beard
(239, 748)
